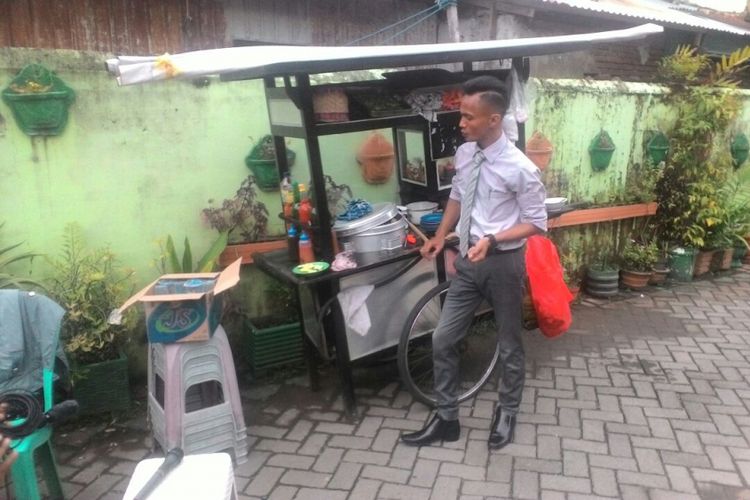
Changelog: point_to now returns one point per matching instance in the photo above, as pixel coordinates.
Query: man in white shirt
(497, 200)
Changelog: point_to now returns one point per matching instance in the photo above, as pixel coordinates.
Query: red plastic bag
(549, 293)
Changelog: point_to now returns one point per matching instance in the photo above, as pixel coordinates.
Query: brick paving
(645, 398)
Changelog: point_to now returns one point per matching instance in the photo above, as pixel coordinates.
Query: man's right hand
(432, 247)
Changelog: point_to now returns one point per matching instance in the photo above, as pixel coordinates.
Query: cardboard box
(184, 307)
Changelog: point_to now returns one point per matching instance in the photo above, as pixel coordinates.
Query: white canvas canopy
(280, 60)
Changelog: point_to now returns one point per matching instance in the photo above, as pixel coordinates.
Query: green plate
(311, 269)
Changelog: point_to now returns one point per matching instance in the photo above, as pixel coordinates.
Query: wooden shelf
(604, 214)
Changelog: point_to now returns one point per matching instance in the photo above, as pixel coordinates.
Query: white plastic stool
(193, 397)
(208, 477)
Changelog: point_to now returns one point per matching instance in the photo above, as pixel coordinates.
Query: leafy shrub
(89, 284)
(639, 257)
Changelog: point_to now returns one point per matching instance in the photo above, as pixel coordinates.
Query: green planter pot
(274, 346)
(600, 158)
(39, 101)
(602, 282)
(102, 387)
(681, 264)
(739, 148)
(658, 147)
(264, 168)
(739, 254)
(40, 114)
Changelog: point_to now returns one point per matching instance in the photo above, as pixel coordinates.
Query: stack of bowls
(555, 204)
(430, 222)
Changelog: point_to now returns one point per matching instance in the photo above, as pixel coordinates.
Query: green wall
(136, 163)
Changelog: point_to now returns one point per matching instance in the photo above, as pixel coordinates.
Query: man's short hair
(491, 90)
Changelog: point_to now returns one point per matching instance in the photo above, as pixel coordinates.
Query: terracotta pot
(574, 290)
(377, 169)
(539, 150)
(376, 158)
(659, 276)
(703, 262)
(724, 259)
(635, 280)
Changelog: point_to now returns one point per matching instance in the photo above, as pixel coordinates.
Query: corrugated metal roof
(652, 10)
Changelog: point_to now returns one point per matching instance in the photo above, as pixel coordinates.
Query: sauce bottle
(305, 249)
(292, 243)
(305, 207)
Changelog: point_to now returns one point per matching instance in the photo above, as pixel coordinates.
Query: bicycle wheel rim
(415, 352)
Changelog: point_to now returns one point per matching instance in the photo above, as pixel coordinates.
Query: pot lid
(381, 213)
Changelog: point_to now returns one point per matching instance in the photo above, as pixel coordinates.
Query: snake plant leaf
(207, 262)
(187, 258)
(174, 262)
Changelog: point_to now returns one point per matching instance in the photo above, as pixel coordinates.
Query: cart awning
(241, 63)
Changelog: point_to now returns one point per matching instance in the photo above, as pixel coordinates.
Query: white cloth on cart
(353, 303)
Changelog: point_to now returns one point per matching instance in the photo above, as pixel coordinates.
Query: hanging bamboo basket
(376, 159)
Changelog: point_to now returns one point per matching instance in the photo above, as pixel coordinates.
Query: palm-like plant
(8, 257)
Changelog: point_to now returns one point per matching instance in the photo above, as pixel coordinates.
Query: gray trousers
(500, 279)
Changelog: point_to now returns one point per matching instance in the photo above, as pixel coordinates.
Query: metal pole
(451, 13)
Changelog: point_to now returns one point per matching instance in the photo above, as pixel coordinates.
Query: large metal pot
(382, 229)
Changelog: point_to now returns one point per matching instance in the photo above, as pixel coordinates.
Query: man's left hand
(478, 252)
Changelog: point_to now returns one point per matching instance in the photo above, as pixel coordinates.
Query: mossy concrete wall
(137, 163)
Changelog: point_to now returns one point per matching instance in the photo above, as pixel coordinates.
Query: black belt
(497, 251)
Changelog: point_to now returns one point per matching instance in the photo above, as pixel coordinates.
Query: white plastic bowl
(417, 209)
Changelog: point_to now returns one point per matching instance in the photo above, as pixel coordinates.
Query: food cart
(400, 276)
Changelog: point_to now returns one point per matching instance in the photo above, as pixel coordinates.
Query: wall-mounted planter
(539, 150)
(376, 159)
(262, 162)
(601, 150)
(740, 148)
(39, 101)
(658, 147)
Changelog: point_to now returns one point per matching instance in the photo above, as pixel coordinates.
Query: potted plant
(169, 262)
(571, 275)
(687, 190)
(601, 150)
(275, 339)
(244, 219)
(262, 161)
(637, 261)
(661, 267)
(89, 284)
(39, 100)
(602, 278)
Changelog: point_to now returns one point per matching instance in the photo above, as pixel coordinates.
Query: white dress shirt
(509, 190)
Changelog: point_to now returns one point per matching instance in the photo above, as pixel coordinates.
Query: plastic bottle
(292, 243)
(288, 204)
(304, 212)
(305, 249)
(286, 185)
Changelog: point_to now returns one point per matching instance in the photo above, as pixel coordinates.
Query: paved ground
(645, 397)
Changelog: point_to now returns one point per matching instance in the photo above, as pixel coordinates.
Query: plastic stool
(208, 477)
(193, 399)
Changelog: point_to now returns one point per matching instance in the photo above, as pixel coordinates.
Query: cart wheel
(479, 350)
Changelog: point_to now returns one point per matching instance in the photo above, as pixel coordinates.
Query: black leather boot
(501, 431)
(437, 430)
